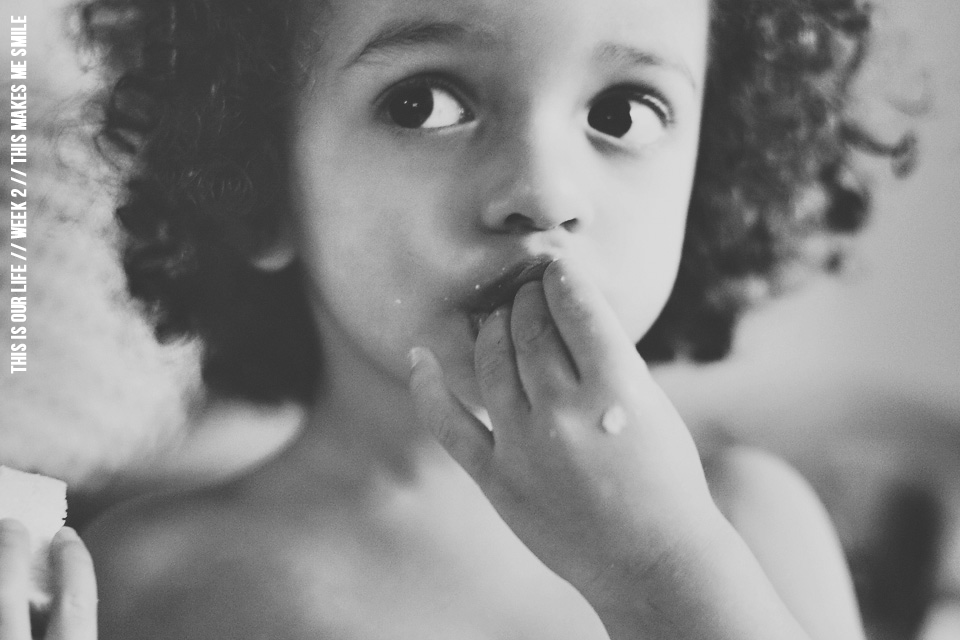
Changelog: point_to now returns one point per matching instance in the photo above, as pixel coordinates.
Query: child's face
(445, 142)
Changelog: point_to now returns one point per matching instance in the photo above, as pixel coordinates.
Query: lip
(490, 296)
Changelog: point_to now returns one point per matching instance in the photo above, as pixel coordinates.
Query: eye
(425, 106)
(633, 119)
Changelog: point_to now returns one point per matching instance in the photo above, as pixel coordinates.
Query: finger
(496, 369)
(74, 612)
(590, 330)
(14, 581)
(542, 360)
(464, 437)
(605, 355)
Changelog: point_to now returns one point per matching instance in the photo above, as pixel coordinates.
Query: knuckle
(549, 388)
(531, 322)
(558, 425)
(511, 491)
(490, 365)
(461, 447)
(530, 333)
(567, 423)
(72, 606)
(572, 305)
(417, 390)
(419, 384)
(477, 465)
(445, 429)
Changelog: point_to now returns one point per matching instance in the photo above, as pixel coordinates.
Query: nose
(536, 185)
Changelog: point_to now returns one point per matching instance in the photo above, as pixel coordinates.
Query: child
(445, 224)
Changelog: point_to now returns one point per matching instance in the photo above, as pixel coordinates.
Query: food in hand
(40, 503)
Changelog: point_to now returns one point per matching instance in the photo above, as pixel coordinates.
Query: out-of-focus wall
(856, 379)
(890, 325)
(98, 393)
(102, 403)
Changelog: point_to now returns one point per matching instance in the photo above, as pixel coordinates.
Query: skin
(73, 614)
(368, 526)
(627, 518)
(422, 217)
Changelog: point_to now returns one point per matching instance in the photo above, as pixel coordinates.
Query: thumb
(464, 437)
(74, 613)
(14, 580)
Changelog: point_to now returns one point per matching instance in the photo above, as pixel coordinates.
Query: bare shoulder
(749, 484)
(782, 520)
(190, 566)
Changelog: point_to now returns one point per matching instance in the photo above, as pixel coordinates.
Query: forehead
(527, 28)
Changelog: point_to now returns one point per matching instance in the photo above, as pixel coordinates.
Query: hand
(73, 614)
(588, 462)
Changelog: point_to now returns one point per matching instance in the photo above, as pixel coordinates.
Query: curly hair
(198, 103)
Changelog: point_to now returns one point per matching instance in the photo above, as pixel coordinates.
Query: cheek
(345, 238)
(348, 213)
(653, 269)
(640, 250)
(374, 251)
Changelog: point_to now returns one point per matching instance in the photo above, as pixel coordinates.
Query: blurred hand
(73, 613)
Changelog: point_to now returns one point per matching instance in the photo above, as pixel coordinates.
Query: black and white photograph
(480, 320)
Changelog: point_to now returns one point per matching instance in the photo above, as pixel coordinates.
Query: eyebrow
(612, 52)
(405, 34)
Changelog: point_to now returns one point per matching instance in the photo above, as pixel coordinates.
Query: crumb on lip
(501, 290)
(486, 298)
(477, 318)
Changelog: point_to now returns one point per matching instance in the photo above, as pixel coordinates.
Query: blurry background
(855, 379)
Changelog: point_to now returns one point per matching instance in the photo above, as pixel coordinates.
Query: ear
(279, 252)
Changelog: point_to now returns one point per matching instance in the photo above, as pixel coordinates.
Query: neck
(362, 424)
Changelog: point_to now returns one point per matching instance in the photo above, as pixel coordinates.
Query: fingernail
(67, 534)
(496, 313)
(560, 266)
(416, 356)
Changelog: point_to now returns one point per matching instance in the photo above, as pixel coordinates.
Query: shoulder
(749, 483)
(782, 520)
(189, 567)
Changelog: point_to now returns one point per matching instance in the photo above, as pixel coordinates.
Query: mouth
(492, 295)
